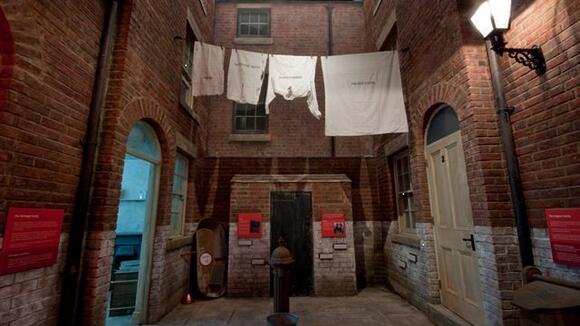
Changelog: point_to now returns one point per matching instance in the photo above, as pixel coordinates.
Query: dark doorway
(292, 220)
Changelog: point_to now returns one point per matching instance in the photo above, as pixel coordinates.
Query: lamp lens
(500, 10)
(481, 19)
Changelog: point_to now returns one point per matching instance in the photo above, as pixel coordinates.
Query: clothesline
(363, 93)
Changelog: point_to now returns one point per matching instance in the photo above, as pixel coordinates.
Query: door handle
(470, 242)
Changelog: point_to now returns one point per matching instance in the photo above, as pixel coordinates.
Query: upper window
(186, 94)
(179, 194)
(254, 22)
(404, 191)
(250, 118)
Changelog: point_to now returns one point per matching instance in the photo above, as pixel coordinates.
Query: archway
(136, 217)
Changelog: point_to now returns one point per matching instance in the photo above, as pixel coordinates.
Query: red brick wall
(145, 86)
(298, 28)
(546, 121)
(46, 77)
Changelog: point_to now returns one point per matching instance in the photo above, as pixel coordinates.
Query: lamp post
(491, 19)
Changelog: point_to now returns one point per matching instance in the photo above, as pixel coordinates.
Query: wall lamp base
(532, 58)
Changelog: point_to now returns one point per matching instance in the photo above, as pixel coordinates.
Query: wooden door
(292, 220)
(455, 247)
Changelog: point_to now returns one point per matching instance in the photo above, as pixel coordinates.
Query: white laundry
(245, 76)
(363, 94)
(292, 77)
(208, 69)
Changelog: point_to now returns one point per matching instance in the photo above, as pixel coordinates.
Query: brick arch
(439, 94)
(7, 58)
(152, 113)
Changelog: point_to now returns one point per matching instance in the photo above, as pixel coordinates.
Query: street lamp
(491, 19)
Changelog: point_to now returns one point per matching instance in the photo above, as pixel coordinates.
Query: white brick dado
(544, 261)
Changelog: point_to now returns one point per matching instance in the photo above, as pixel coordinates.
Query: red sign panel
(333, 226)
(31, 239)
(564, 231)
(249, 225)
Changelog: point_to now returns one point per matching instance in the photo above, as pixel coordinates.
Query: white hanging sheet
(292, 77)
(363, 94)
(208, 70)
(245, 76)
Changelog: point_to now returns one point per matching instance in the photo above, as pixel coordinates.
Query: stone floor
(371, 307)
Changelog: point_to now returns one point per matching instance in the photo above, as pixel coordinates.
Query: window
(404, 192)
(178, 194)
(250, 118)
(186, 95)
(254, 22)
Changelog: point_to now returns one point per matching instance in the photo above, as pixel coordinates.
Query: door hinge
(442, 158)
(439, 283)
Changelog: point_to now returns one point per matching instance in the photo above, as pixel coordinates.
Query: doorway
(292, 221)
(452, 213)
(128, 290)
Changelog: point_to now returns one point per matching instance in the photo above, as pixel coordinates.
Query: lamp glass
(481, 19)
(501, 10)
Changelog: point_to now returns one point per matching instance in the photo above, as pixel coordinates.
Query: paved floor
(371, 307)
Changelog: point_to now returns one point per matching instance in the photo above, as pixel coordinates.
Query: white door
(451, 210)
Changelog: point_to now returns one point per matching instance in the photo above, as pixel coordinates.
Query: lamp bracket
(532, 58)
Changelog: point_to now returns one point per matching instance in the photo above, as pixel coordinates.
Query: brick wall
(48, 54)
(335, 277)
(297, 28)
(145, 86)
(443, 60)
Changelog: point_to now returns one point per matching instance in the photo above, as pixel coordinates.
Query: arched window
(143, 142)
(443, 123)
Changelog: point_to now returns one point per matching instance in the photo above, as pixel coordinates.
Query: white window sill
(178, 241)
(253, 40)
(409, 240)
(260, 138)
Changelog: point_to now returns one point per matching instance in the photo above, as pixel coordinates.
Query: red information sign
(333, 226)
(564, 231)
(249, 225)
(31, 239)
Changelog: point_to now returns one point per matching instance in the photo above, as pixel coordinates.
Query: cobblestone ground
(373, 306)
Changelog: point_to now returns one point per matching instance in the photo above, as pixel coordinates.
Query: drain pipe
(507, 140)
(71, 287)
(330, 8)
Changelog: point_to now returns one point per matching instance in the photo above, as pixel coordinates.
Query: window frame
(400, 194)
(243, 10)
(255, 116)
(179, 230)
(186, 98)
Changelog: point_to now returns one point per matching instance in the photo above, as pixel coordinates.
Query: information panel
(249, 225)
(564, 231)
(31, 239)
(333, 226)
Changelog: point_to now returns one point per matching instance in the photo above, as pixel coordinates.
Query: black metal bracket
(508, 109)
(532, 58)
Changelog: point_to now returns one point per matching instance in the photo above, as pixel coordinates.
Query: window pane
(250, 123)
(261, 123)
(244, 29)
(253, 29)
(444, 123)
(240, 123)
(244, 17)
(251, 111)
(240, 110)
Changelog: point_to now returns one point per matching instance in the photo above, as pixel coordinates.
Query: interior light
(481, 19)
(500, 11)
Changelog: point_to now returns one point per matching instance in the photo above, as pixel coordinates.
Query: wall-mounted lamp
(491, 19)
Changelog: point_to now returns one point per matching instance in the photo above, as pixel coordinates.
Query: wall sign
(249, 225)
(31, 239)
(333, 226)
(564, 232)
